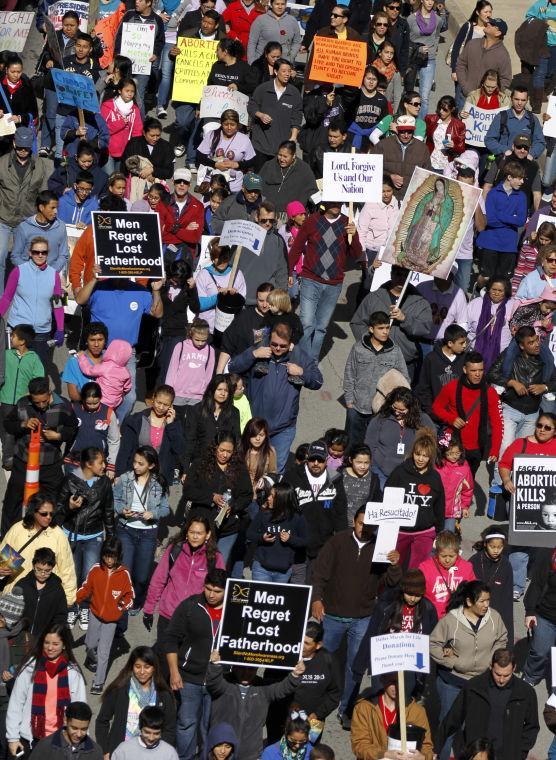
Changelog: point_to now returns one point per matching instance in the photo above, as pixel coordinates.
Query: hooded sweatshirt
(365, 366)
(55, 233)
(441, 583)
(111, 592)
(219, 734)
(190, 371)
(72, 212)
(424, 489)
(457, 480)
(111, 374)
(438, 370)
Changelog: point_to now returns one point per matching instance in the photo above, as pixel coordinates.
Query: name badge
(401, 448)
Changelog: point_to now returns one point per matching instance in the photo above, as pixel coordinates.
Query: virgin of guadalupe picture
(434, 216)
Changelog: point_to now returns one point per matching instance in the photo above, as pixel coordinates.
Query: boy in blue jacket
(506, 213)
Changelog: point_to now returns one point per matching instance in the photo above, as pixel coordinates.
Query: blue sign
(75, 90)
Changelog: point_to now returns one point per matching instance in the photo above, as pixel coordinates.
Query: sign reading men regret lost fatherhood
(263, 624)
(128, 244)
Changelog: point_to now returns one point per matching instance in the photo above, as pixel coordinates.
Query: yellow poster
(193, 66)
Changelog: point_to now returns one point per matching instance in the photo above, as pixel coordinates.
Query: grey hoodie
(364, 368)
(55, 233)
(269, 28)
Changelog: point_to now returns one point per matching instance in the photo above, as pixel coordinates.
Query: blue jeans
(519, 561)
(450, 523)
(545, 68)
(459, 97)
(49, 138)
(426, 81)
(463, 275)
(85, 554)
(5, 235)
(112, 165)
(318, 302)
(382, 477)
(193, 715)
(188, 129)
(356, 426)
(538, 661)
(167, 75)
(142, 80)
(128, 402)
(334, 630)
(259, 573)
(282, 442)
(447, 693)
(516, 425)
(139, 546)
(549, 173)
(552, 750)
(225, 545)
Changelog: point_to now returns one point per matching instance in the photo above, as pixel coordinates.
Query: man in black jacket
(495, 705)
(72, 740)
(246, 329)
(43, 593)
(188, 642)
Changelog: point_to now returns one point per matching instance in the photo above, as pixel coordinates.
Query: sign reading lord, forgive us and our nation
(352, 177)
(128, 244)
(263, 623)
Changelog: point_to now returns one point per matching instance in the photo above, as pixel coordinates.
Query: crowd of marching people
(114, 511)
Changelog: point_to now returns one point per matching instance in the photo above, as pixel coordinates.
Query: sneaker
(345, 720)
(192, 166)
(90, 663)
(97, 688)
(84, 618)
(161, 112)
(179, 150)
(72, 618)
(517, 596)
(49, 153)
(134, 611)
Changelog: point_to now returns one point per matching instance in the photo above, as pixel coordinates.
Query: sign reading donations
(352, 177)
(138, 45)
(389, 515)
(477, 124)
(128, 244)
(14, 29)
(338, 61)
(244, 233)
(75, 90)
(399, 651)
(533, 506)
(263, 624)
(193, 66)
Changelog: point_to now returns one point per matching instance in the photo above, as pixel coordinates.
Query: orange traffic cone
(32, 474)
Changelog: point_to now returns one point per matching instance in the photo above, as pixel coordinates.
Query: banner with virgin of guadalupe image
(434, 216)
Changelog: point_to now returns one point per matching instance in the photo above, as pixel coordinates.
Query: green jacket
(17, 195)
(19, 370)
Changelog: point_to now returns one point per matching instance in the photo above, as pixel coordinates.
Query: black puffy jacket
(97, 511)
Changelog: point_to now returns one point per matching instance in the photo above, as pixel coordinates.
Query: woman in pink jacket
(111, 374)
(124, 122)
(445, 571)
(181, 572)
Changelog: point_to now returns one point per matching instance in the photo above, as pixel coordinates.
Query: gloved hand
(148, 621)
(59, 337)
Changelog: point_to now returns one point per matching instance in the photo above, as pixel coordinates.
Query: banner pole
(401, 710)
(81, 117)
(350, 218)
(234, 267)
(402, 294)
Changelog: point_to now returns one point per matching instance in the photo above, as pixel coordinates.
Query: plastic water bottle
(491, 158)
(493, 494)
(227, 496)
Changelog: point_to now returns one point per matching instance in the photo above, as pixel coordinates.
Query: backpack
(504, 123)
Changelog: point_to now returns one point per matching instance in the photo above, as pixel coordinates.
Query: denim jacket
(156, 502)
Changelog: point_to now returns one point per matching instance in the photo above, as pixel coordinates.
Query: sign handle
(234, 267)
(402, 294)
(401, 710)
(81, 117)
(350, 218)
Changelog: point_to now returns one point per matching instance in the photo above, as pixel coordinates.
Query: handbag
(417, 58)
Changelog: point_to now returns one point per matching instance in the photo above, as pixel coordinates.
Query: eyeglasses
(46, 514)
(181, 182)
(540, 426)
(273, 344)
(266, 220)
(415, 105)
(46, 571)
(35, 252)
(551, 261)
(521, 147)
(381, 23)
(394, 7)
(84, 189)
(315, 459)
(444, 108)
(337, 15)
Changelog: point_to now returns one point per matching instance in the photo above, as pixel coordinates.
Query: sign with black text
(533, 506)
(263, 624)
(128, 244)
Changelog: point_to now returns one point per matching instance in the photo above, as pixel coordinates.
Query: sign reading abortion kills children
(263, 624)
(128, 244)
(352, 177)
(533, 507)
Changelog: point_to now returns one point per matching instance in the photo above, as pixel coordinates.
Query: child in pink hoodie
(445, 570)
(111, 374)
(456, 477)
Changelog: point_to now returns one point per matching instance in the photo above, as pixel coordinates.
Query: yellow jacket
(54, 538)
(368, 736)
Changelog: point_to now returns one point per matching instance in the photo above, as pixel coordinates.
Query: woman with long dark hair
(409, 106)
(140, 501)
(264, 65)
(215, 414)
(219, 487)
(370, 108)
(445, 133)
(45, 685)
(488, 316)
(231, 70)
(256, 450)
(228, 149)
(139, 683)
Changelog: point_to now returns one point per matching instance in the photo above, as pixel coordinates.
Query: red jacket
(111, 593)
(456, 130)
(177, 233)
(239, 21)
(444, 407)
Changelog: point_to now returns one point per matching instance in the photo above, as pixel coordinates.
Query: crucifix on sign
(390, 515)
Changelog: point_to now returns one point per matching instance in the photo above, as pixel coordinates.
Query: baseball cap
(499, 23)
(522, 141)
(182, 174)
(405, 123)
(317, 450)
(252, 181)
(23, 138)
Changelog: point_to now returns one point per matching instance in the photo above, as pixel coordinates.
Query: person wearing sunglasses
(183, 235)
(409, 106)
(520, 153)
(295, 739)
(338, 26)
(398, 33)
(378, 29)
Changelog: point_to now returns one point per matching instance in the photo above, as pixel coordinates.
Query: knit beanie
(413, 582)
(12, 605)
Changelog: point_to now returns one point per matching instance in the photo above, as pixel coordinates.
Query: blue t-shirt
(72, 373)
(121, 310)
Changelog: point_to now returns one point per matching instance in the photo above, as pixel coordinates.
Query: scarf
(487, 342)
(49, 669)
(287, 753)
(359, 134)
(124, 108)
(138, 699)
(13, 88)
(483, 407)
(426, 27)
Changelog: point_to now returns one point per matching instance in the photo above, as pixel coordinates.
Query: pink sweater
(112, 376)
(121, 128)
(440, 583)
(457, 480)
(190, 370)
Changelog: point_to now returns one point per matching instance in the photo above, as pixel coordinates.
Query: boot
(536, 99)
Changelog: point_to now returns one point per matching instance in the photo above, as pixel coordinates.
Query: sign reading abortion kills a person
(128, 244)
(533, 507)
(263, 624)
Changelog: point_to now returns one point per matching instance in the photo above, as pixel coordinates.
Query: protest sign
(389, 514)
(246, 234)
(128, 244)
(352, 177)
(383, 272)
(193, 66)
(57, 10)
(301, 14)
(138, 45)
(549, 126)
(338, 61)
(14, 29)
(553, 658)
(533, 505)
(399, 651)
(545, 218)
(75, 90)
(52, 42)
(434, 217)
(477, 124)
(263, 624)
(7, 127)
(215, 100)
